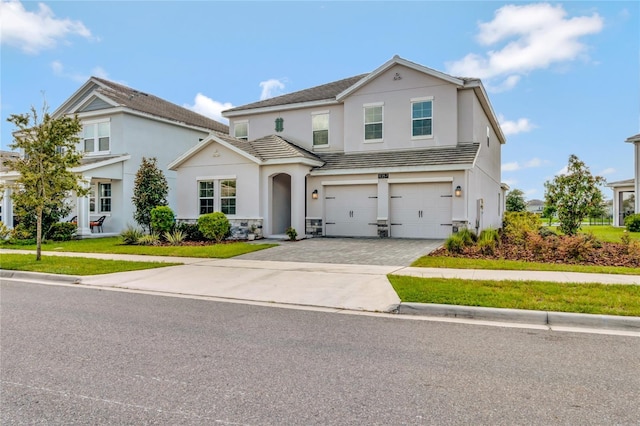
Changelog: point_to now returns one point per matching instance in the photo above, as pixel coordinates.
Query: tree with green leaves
(150, 190)
(49, 154)
(515, 201)
(574, 194)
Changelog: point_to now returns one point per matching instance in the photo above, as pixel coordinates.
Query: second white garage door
(351, 210)
(420, 210)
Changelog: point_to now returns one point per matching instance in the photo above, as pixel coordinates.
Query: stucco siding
(396, 95)
(296, 126)
(215, 162)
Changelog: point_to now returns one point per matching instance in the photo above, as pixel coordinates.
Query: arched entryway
(280, 203)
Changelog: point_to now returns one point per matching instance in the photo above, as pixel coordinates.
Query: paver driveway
(355, 251)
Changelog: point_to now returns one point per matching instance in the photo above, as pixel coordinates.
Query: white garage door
(351, 210)
(420, 210)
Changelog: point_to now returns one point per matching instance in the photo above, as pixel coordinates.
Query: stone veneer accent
(240, 228)
(313, 227)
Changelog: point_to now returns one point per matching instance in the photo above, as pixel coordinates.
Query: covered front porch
(624, 200)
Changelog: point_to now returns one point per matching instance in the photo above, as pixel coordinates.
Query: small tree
(150, 190)
(515, 201)
(574, 194)
(46, 179)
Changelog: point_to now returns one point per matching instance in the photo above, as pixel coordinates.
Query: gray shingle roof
(440, 156)
(270, 147)
(327, 91)
(153, 105)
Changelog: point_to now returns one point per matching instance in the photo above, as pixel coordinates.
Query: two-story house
(120, 126)
(625, 192)
(404, 151)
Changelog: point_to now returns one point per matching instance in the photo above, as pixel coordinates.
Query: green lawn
(516, 265)
(605, 233)
(113, 245)
(73, 265)
(545, 296)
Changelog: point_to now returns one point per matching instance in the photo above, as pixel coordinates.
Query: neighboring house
(120, 126)
(625, 192)
(404, 151)
(6, 208)
(535, 206)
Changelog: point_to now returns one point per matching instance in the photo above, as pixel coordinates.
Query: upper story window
(320, 128)
(241, 130)
(96, 137)
(421, 117)
(373, 115)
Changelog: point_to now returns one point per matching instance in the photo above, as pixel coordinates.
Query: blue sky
(563, 78)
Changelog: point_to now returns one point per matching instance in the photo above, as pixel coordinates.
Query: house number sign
(383, 175)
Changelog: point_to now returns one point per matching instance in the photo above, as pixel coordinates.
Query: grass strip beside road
(114, 245)
(73, 265)
(534, 295)
(517, 265)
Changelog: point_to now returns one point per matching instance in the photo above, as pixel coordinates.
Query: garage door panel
(351, 210)
(420, 210)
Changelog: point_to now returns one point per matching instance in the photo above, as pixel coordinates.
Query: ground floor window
(217, 195)
(100, 198)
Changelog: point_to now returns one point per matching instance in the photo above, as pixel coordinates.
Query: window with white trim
(421, 118)
(228, 196)
(217, 195)
(320, 128)
(373, 116)
(206, 196)
(96, 137)
(241, 130)
(100, 198)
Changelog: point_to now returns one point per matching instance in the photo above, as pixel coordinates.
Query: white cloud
(209, 107)
(271, 88)
(530, 192)
(510, 127)
(59, 70)
(515, 166)
(510, 182)
(35, 31)
(525, 38)
(510, 167)
(607, 171)
(563, 171)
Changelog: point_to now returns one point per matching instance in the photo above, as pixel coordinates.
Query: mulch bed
(561, 249)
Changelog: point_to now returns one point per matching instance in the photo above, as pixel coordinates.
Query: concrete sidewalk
(339, 286)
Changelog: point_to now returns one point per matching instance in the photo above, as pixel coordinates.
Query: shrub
(632, 222)
(291, 233)
(21, 235)
(454, 244)
(488, 240)
(576, 247)
(162, 219)
(131, 235)
(517, 224)
(149, 240)
(214, 226)
(175, 237)
(62, 231)
(468, 236)
(545, 232)
(190, 231)
(4, 231)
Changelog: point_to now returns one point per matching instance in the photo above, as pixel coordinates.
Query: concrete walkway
(327, 285)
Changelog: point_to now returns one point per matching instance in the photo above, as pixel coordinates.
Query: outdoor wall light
(314, 194)
(458, 191)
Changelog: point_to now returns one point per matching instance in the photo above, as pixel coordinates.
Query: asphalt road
(82, 356)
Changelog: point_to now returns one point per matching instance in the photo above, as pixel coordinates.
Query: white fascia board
(633, 139)
(204, 143)
(275, 108)
(397, 60)
(9, 176)
(349, 182)
(107, 162)
(481, 93)
(404, 169)
(293, 160)
(421, 180)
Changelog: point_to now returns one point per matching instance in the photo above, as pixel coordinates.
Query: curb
(546, 318)
(20, 275)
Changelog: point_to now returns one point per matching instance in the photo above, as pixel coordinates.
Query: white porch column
(637, 177)
(82, 211)
(7, 208)
(298, 198)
